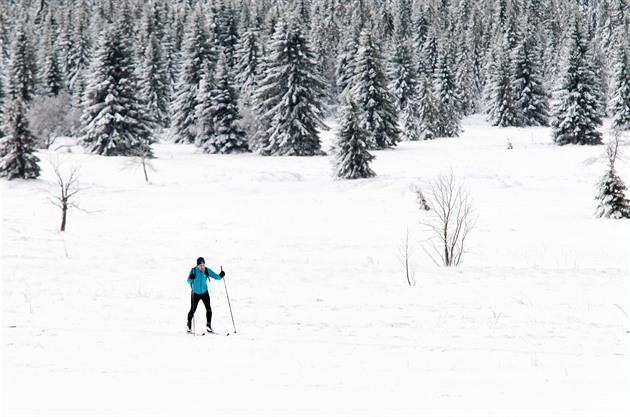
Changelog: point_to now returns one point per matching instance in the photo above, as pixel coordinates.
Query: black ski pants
(194, 300)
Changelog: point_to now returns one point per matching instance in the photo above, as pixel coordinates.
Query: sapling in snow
(141, 158)
(449, 220)
(405, 250)
(69, 187)
(611, 188)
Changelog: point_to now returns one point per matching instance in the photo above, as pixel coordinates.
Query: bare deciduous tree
(51, 117)
(69, 187)
(404, 256)
(142, 158)
(450, 219)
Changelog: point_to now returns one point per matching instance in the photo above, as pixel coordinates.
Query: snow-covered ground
(532, 323)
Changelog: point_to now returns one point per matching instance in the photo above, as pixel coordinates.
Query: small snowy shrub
(613, 203)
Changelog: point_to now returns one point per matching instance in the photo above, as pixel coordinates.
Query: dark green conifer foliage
(612, 201)
(78, 56)
(428, 112)
(578, 113)
(291, 94)
(17, 146)
(378, 114)
(52, 76)
(22, 68)
(447, 98)
(351, 156)
(155, 83)
(248, 56)
(531, 99)
(227, 135)
(621, 99)
(115, 121)
(502, 108)
(198, 48)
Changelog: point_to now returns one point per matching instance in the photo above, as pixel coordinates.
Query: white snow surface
(532, 323)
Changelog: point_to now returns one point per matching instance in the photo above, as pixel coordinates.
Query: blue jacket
(199, 284)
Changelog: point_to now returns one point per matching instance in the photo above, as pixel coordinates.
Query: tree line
(261, 75)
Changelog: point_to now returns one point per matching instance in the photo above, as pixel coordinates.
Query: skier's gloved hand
(222, 273)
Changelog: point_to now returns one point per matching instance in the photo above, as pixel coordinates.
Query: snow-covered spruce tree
(17, 147)
(620, 105)
(419, 30)
(429, 53)
(325, 40)
(51, 76)
(375, 102)
(620, 17)
(501, 105)
(154, 22)
(427, 108)
(248, 55)
(292, 95)
(155, 84)
(402, 67)
(531, 98)
(447, 98)
(227, 136)
(302, 11)
(612, 201)
(478, 53)
(78, 58)
(226, 29)
(351, 158)
(403, 19)
(4, 32)
(465, 76)
(345, 67)
(602, 66)
(64, 37)
(3, 96)
(115, 121)
(22, 67)
(578, 112)
(205, 106)
(198, 48)
(402, 74)
(411, 119)
(262, 103)
(247, 74)
(346, 62)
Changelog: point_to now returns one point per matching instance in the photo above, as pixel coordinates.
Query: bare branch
(141, 158)
(69, 187)
(404, 256)
(450, 219)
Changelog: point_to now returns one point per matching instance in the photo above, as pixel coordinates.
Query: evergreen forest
(263, 75)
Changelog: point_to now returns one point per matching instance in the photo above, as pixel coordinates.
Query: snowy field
(532, 323)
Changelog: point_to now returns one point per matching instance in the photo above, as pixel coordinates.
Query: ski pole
(229, 304)
(192, 302)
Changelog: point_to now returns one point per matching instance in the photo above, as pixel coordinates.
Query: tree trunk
(64, 210)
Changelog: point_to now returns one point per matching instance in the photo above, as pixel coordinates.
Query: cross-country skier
(197, 280)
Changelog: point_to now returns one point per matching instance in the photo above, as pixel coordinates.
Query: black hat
(200, 260)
